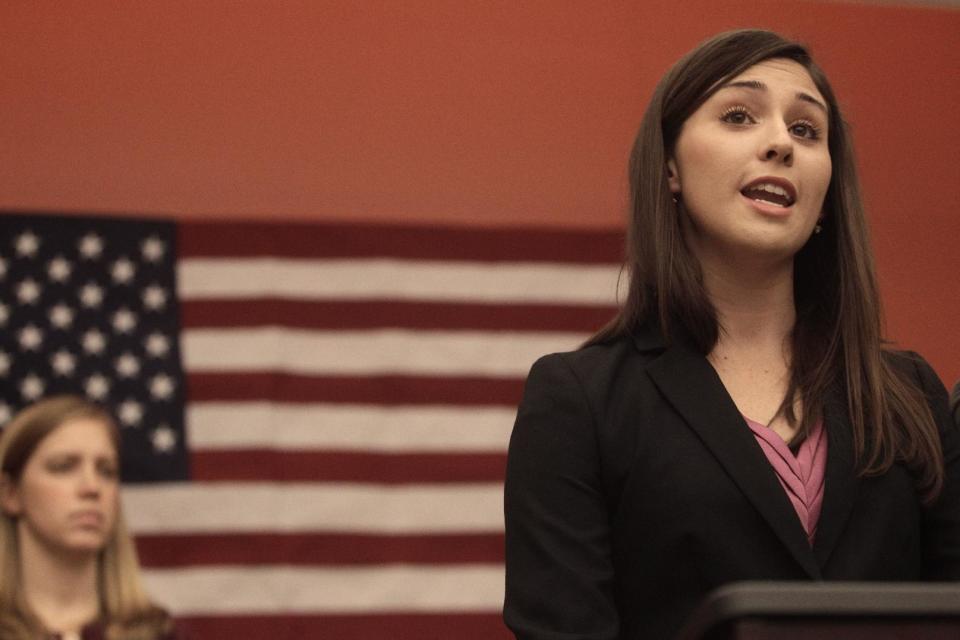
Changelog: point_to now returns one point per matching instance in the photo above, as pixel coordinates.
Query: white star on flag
(157, 345)
(124, 320)
(154, 297)
(130, 413)
(91, 246)
(59, 269)
(27, 244)
(30, 338)
(122, 271)
(31, 387)
(91, 295)
(164, 439)
(63, 363)
(28, 291)
(61, 316)
(161, 386)
(127, 365)
(152, 249)
(94, 342)
(97, 386)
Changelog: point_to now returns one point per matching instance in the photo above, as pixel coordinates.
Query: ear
(9, 496)
(673, 176)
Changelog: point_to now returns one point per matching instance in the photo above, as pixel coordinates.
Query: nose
(779, 148)
(90, 484)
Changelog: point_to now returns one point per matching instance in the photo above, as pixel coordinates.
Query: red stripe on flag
(383, 390)
(453, 626)
(339, 466)
(250, 239)
(317, 549)
(374, 315)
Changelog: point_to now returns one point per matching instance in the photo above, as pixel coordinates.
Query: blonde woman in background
(69, 566)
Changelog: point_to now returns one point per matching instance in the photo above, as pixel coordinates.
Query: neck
(753, 299)
(753, 354)
(60, 588)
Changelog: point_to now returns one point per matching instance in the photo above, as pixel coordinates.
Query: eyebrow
(759, 86)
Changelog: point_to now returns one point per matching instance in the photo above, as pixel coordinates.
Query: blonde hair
(126, 609)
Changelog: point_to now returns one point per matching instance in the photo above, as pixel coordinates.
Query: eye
(737, 115)
(805, 129)
(61, 465)
(108, 470)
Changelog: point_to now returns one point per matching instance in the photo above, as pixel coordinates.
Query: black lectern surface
(828, 611)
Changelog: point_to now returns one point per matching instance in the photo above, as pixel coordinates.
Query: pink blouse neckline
(801, 475)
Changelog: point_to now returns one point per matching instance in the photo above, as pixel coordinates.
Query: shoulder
(575, 382)
(599, 363)
(154, 622)
(925, 380)
(918, 371)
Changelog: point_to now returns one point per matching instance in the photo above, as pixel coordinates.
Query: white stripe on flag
(228, 507)
(347, 427)
(391, 279)
(369, 352)
(283, 589)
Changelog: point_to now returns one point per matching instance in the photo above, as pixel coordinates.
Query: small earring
(675, 198)
(818, 228)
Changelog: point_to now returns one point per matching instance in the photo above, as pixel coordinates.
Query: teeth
(774, 189)
(776, 204)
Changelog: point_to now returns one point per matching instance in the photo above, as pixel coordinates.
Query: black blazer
(634, 487)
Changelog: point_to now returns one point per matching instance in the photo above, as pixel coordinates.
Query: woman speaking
(740, 418)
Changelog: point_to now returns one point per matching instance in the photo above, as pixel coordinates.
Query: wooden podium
(828, 611)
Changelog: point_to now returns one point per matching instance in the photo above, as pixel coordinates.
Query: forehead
(781, 73)
(79, 435)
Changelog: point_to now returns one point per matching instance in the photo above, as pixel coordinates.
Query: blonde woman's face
(67, 497)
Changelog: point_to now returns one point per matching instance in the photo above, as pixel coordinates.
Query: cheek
(822, 176)
(706, 165)
(44, 502)
(42, 495)
(111, 501)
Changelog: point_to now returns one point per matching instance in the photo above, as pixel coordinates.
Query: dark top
(633, 489)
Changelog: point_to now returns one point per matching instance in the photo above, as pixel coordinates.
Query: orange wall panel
(466, 113)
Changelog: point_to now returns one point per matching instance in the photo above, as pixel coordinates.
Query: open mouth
(769, 193)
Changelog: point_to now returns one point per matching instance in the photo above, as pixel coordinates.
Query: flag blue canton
(89, 306)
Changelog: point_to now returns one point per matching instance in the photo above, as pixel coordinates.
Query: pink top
(801, 475)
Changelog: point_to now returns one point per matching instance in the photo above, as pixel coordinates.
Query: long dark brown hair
(837, 337)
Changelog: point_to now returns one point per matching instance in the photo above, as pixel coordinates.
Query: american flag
(314, 416)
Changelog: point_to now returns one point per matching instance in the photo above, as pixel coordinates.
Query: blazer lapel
(841, 482)
(695, 391)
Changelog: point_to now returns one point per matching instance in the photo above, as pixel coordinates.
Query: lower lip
(768, 209)
(88, 521)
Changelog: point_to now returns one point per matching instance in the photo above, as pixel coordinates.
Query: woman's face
(751, 166)
(67, 496)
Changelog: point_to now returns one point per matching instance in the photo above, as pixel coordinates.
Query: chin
(85, 543)
(765, 249)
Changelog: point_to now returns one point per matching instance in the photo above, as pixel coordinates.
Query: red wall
(464, 113)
